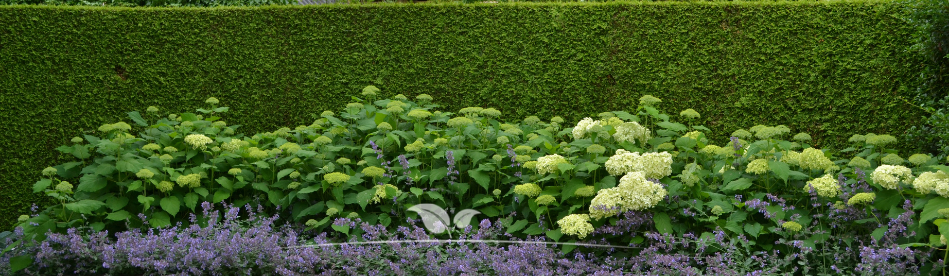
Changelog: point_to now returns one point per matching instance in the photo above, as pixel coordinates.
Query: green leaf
(435, 196)
(738, 185)
(931, 210)
(677, 127)
(780, 169)
(517, 226)
(663, 223)
(363, 197)
(159, 219)
(191, 200)
(888, 198)
(879, 232)
(219, 195)
(588, 166)
(201, 191)
(41, 185)
(490, 211)
(85, 206)
(116, 203)
(567, 248)
(533, 230)
(753, 229)
(225, 182)
(170, 204)
(20, 262)
(685, 143)
(475, 156)
(309, 189)
(275, 196)
(554, 234)
(91, 183)
(482, 200)
(137, 118)
(284, 173)
(416, 191)
(118, 215)
(80, 151)
(341, 228)
(146, 200)
(570, 188)
(312, 210)
(564, 167)
(128, 165)
(482, 178)
(730, 175)
(221, 109)
(437, 174)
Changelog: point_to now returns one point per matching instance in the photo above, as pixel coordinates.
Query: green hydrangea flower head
(585, 191)
(151, 109)
(361, 163)
(198, 141)
(76, 140)
(471, 111)
(216, 149)
(400, 97)
(374, 172)
(166, 158)
(331, 212)
(219, 124)
(717, 210)
(545, 200)
(381, 193)
(710, 149)
(606, 115)
(497, 158)
(211, 100)
(145, 174)
(370, 91)
(758, 167)
(530, 165)
(165, 186)
(352, 215)
(191, 180)
(881, 140)
(170, 149)
(857, 138)
(293, 185)
(523, 149)
(766, 133)
(649, 100)
(64, 187)
(419, 114)
(312, 223)
(343, 161)
(491, 112)
(557, 119)
(825, 186)
(327, 113)
(665, 146)
(531, 120)
(840, 205)
(336, 178)
(459, 122)
(944, 212)
(234, 171)
(859, 162)
(395, 110)
(294, 175)
(514, 131)
(322, 140)
(424, 98)
(861, 198)
(691, 114)
(892, 159)
(576, 225)
(503, 140)
(151, 147)
(23, 218)
(496, 192)
(596, 149)
(441, 141)
(105, 128)
(792, 226)
(919, 159)
(256, 153)
(812, 158)
(354, 106)
(527, 189)
(742, 134)
(801, 137)
(49, 171)
(522, 158)
(187, 124)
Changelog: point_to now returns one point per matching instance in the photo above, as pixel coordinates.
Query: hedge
(831, 69)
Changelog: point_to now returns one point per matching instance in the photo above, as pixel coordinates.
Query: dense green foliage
(828, 69)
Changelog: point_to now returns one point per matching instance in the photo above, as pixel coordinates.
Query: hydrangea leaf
(201, 191)
(85, 206)
(260, 186)
(219, 195)
(128, 165)
(118, 215)
(341, 228)
(312, 210)
(416, 191)
(385, 219)
(554, 234)
(753, 229)
(191, 200)
(159, 219)
(490, 211)
(570, 188)
(275, 196)
(285, 172)
(20, 262)
(780, 169)
(481, 199)
(686, 144)
(738, 185)
(137, 118)
(41, 185)
(663, 223)
(363, 197)
(517, 226)
(564, 167)
(105, 169)
(474, 155)
(588, 166)
(80, 151)
(116, 203)
(221, 109)
(91, 183)
(931, 210)
(677, 127)
(569, 247)
(225, 182)
(481, 178)
(534, 230)
(309, 189)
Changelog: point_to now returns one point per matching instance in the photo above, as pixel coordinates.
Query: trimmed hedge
(829, 69)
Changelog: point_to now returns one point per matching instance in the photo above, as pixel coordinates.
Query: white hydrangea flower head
(632, 132)
(928, 181)
(622, 162)
(633, 193)
(758, 167)
(198, 141)
(656, 165)
(576, 225)
(688, 176)
(825, 186)
(585, 191)
(580, 131)
(548, 164)
(742, 134)
(889, 176)
(856, 138)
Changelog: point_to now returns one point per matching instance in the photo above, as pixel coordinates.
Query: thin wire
(464, 241)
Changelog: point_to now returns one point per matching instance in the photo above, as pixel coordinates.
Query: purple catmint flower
(737, 145)
(405, 169)
(452, 172)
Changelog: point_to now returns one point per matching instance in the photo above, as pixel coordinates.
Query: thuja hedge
(830, 69)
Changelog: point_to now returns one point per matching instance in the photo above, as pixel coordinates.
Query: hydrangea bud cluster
(812, 158)
(335, 178)
(548, 164)
(792, 226)
(825, 186)
(633, 193)
(545, 200)
(889, 176)
(801, 137)
(859, 162)
(576, 225)
(145, 174)
(861, 198)
(758, 167)
(689, 176)
(381, 192)
(919, 159)
(585, 191)
(892, 159)
(879, 140)
(460, 122)
(527, 189)
(165, 186)
(191, 180)
(198, 141)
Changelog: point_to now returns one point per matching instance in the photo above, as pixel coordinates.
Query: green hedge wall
(829, 69)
